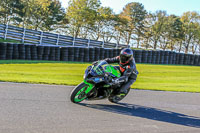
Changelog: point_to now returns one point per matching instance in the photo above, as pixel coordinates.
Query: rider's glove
(120, 80)
(94, 63)
(115, 81)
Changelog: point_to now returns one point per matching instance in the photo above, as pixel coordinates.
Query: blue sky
(177, 7)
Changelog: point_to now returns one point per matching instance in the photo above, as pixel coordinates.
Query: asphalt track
(31, 108)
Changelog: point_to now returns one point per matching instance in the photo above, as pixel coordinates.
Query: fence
(28, 36)
(10, 51)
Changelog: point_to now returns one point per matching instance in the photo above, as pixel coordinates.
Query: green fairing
(112, 70)
(89, 88)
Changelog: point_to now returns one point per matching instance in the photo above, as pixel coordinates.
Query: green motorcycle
(98, 84)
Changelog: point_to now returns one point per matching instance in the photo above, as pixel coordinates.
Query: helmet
(125, 55)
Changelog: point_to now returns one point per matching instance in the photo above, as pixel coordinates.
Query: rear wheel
(115, 98)
(79, 93)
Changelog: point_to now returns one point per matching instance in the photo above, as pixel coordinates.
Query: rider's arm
(109, 60)
(112, 60)
(124, 77)
(130, 72)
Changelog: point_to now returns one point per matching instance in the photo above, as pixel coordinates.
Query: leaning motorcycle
(98, 84)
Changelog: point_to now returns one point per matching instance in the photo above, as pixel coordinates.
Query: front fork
(90, 89)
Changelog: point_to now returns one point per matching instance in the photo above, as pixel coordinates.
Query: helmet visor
(124, 58)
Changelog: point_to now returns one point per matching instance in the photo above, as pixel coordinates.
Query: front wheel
(79, 93)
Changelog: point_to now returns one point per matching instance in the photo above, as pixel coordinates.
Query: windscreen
(99, 68)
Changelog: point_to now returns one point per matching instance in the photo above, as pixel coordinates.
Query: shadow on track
(148, 113)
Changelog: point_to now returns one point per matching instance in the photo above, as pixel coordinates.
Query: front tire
(78, 94)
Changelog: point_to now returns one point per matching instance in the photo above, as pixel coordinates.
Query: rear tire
(114, 98)
(78, 93)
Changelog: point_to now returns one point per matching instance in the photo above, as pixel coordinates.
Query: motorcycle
(98, 84)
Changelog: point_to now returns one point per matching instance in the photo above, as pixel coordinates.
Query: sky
(177, 7)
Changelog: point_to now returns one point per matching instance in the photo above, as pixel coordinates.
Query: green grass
(9, 40)
(168, 77)
(151, 77)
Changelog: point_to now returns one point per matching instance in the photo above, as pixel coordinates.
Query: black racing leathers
(128, 71)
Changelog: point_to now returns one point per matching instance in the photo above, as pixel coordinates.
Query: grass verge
(151, 77)
(9, 40)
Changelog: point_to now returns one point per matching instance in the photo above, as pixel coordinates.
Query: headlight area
(85, 75)
(95, 79)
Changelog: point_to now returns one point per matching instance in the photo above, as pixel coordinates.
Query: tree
(37, 14)
(54, 15)
(134, 13)
(82, 15)
(18, 13)
(147, 35)
(104, 25)
(177, 32)
(195, 45)
(173, 31)
(7, 8)
(190, 26)
(158, 27)
(119, 28)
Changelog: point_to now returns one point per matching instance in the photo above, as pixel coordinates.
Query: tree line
(133, 26)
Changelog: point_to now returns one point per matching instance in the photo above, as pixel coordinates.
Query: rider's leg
(124, 88)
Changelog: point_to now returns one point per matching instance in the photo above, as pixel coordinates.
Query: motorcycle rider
(127, 68)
